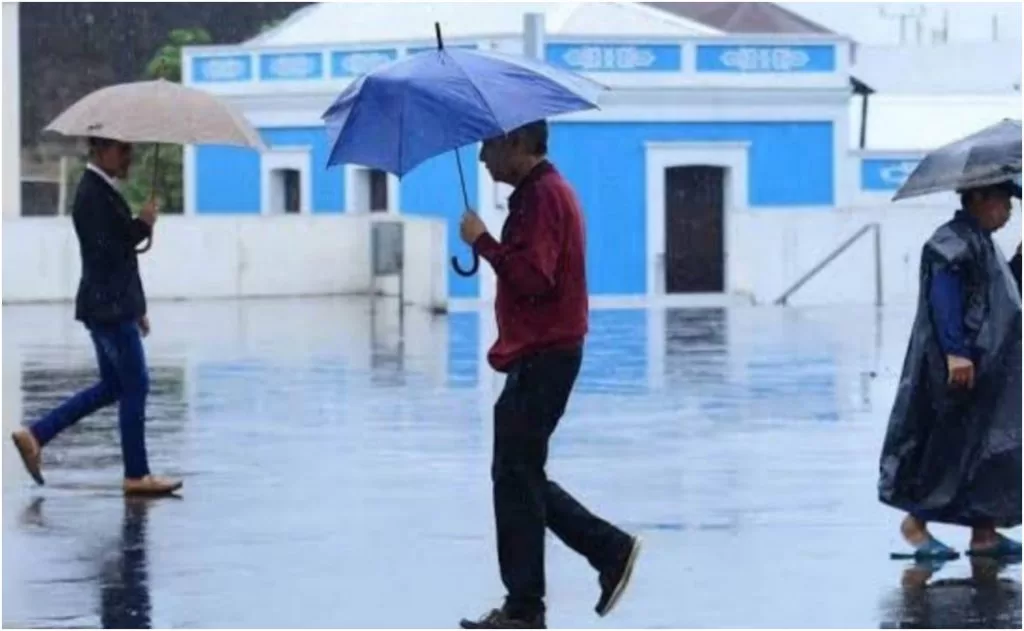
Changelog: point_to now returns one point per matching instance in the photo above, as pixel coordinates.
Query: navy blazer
(110, 290)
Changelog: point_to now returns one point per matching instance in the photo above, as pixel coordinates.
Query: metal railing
(873, 227)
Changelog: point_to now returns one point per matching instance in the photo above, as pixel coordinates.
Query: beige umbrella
(156, 111)
(159, 112)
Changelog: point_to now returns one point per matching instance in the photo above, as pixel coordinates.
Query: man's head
(990, 205)
(511, 157)
(113, 157)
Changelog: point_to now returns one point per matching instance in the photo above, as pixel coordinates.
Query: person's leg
(601, 543)
(983, 535)
(30, 441)
(987, 542)
(519, 487)
(82, 404)
(914, 529)
(608, 549)
(123, 347)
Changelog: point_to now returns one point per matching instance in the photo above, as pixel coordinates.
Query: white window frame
(353, 172)
(297, 158)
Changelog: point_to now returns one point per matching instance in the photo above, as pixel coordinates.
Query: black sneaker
(498, 619)
(613, 582)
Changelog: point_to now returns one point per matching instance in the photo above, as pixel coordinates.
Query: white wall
(11, 112)
(771, 250)
(231, 257)
(234, 257)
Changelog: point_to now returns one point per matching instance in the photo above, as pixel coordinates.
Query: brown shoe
(30, 451)
(151, 485)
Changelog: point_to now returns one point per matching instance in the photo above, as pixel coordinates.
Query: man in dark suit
(112, 306)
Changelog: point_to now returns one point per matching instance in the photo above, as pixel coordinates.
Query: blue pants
(124, 379)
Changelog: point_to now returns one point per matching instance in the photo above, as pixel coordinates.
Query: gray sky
(865, 23)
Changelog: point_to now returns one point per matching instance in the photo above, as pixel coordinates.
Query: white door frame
(732, 156)
(353, 171)
(297, 158)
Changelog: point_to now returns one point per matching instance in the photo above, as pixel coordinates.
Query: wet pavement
(337, 476)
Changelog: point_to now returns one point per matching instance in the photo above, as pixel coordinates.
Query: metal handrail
(871, 227)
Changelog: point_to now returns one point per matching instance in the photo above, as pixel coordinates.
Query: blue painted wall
(791, 164)
(228, 178)
(432, 189)
(885, 175)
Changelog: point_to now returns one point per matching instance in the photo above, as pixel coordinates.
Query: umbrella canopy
(403, 113)
(987, 157)
(156, 111)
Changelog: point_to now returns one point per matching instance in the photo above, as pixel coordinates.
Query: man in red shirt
(542, 311)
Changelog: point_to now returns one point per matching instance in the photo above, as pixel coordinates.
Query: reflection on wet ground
(337, 474)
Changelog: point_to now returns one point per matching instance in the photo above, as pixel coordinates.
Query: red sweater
(542, 281)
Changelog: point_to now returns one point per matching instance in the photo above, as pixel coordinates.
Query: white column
(533, 35)
(11, 112)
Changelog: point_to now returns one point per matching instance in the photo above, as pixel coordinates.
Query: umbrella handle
(145, 248)
(153, 185)
(466, 273)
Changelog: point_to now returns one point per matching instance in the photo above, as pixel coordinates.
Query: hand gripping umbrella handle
(156, 171)
(145, 248)
(465, 273)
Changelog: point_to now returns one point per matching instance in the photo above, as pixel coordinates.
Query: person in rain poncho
(952, 452)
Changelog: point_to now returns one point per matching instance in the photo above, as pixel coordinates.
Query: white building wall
(231, 257)
(11, 112)
(247, 257)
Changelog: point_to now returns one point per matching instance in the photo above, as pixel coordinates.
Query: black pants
(525, 501)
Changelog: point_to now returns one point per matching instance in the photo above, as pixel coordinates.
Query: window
(378, 191)
(369, 191)
(285, 191)
(286, 183)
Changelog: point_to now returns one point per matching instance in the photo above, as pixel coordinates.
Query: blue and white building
(699, 127)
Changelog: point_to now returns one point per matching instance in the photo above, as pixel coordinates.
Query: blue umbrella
(413, 109)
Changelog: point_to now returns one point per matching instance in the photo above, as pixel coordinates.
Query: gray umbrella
(989, 156)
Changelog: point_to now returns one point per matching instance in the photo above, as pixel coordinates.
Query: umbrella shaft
(462, 180)
(156, 170)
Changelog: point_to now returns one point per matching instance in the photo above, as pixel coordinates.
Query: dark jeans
(525, 501)
(124, 379)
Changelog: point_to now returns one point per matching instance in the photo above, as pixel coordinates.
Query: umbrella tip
(437, 32)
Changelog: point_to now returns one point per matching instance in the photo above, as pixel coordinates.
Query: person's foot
(498, 619)
(614, 581)
(151, 485)
(995, 546)
(925, 546)
(28, 447)
(915, 532)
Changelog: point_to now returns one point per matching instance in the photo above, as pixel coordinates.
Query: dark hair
(535, 136)
(1008, 187)
(97, 144)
